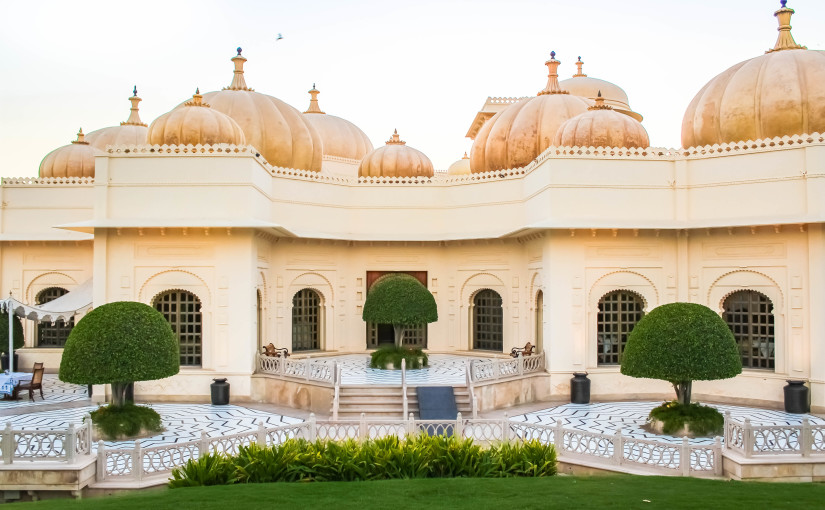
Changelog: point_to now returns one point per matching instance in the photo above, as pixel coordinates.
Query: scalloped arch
(720, 289)
(479, 281)
(157, 279)
(41, 282)
(611, 282)
(304, 281)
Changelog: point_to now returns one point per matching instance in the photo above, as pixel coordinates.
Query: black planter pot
(580, 388)
(797, 397)
(4, 360)
(220, 392)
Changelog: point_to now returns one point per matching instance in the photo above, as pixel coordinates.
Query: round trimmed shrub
(17, 332)
(119, 343)
(401, 300)
(681, 343)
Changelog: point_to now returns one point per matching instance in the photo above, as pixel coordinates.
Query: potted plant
(120, 343)
(17, 343)
(681, 343)
(401, 300)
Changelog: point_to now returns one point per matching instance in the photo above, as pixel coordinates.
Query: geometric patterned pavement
(182, 422)
(55, 391)
(605, 418)
(444, 369)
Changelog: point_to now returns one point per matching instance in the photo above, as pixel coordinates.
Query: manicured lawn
(471, 494)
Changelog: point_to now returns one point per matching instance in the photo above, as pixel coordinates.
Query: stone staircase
(386, 402)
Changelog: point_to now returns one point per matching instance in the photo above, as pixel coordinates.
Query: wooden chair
(35, 384)
(527, 350)
(275, 352)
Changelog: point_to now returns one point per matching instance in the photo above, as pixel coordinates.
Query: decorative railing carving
(756, 440)
(45, 445)
(305, 369)
(496, 369)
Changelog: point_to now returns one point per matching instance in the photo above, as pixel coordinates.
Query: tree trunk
(683, 390)
(399, 334)
(119, 394)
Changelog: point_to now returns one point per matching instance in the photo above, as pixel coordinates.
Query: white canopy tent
(63, 308)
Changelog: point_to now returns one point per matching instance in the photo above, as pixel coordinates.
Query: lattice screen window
(415, 337)
(48, 334)
(183, 311)
(619, 311)
(306, 321)
(749, 315)
(488, 321)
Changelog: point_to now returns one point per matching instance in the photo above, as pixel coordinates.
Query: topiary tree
(17, 332)
(120, 343)
(401, 300)
(681, 343)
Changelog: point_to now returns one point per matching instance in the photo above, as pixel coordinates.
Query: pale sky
(423, 67)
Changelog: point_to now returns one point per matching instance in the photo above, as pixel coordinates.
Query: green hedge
(416, 358)
(702, 420)
(399, 299)
(116, 422)
(120, 342)
(373, 459)
(681, 342)
(17, 332)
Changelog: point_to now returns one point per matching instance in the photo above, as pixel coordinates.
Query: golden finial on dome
(238, 81)
(785, 40)
(197, 99)
(134, 114)
(81, 138)
(395, 139)
(600, 103)
(552, 77)
(313, 102)
(579, 73)
(465, 155)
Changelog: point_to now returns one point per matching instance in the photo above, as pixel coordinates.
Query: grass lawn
(618, 491)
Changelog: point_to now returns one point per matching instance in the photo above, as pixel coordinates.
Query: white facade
(575, 225)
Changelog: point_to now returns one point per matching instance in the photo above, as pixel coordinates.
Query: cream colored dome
(74, 160)
(460, 167)
(582, 85)
(275, 128)
(601, 126)
(516, 136)
(131, 132)
(396, 159)
(195, 123)
(339, 137)
(776, 94)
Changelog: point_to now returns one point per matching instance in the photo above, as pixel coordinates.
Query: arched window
(488, 321)
(48, 334)
(306, 320)
(539, 341)
(749, 315)
(183, 311)
(259, 317)
(619, 311)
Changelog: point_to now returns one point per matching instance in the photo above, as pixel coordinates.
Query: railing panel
(36, 444)
(163, 459)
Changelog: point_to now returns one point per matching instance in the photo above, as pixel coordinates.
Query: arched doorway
(749, 315)
(48, 334)
(619, 311)
(488, 321)
(183, 311)
(306, 321)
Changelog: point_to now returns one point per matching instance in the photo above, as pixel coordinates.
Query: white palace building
(246, 221)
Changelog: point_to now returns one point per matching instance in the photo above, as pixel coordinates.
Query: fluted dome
(602, 126)
(776, 94)
(460, 167)
(585, 86)
(516, 136)
(74, 160)
(276, 129)
(131, 132)
(396, 159)
(340, 137)
(195, 123)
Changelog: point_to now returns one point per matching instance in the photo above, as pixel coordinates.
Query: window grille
(415, 337)
(48, 334)
(306, 321)
(749, 315)
(619, 311)
(488, 321)
(183, 311)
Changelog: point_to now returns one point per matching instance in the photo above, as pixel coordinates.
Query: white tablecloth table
(9, 381)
